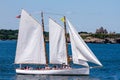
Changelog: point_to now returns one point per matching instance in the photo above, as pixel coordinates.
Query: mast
(44, 36)
(68, 61)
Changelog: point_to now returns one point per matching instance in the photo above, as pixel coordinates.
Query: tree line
(13, 34)
(8, 34)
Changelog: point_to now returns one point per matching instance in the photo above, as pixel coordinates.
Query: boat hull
(81, 71)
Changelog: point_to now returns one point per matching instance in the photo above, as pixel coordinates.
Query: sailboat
(31, 48)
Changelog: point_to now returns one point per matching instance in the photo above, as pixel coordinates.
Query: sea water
(108, 54)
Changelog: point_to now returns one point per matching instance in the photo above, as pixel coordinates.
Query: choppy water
(108, 54)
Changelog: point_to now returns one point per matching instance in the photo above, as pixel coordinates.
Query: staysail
(30, 45)
(77, 57)
(81, 52)
(58, 53)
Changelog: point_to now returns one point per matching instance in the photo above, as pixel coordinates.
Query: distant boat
(31, 48)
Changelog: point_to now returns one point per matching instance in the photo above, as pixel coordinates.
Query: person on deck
(47, 67)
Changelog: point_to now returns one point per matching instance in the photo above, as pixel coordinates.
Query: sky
(85, 15)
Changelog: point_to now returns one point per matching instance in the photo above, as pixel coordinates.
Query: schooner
(31, 48)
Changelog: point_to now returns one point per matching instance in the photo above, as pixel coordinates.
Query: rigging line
(53, 13)
(39, 12)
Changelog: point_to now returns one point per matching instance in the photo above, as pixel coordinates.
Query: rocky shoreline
(106, 40)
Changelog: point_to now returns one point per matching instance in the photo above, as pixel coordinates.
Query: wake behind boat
(31, 48)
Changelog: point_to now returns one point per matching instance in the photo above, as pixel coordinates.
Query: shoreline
(112, 38)
(94, 41)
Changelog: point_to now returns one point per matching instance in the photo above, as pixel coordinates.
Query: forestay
(30, 46)
(58, 53)
(80, 51)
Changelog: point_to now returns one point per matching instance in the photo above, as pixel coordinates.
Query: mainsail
(30, 45)
(58, 53)
(80, 51)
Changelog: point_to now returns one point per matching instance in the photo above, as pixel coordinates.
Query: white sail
(58, 53)
(77, 57)
(80, 50)
(30, 45)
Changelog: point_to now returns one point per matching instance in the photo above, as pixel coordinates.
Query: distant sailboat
(31, 48)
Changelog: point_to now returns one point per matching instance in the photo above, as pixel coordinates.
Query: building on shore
(101, 30)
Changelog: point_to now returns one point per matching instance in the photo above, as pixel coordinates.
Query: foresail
(79, 47)
(77, 57)
(58, 53)
(30, 44)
